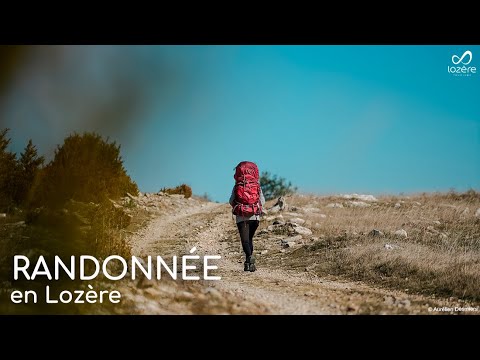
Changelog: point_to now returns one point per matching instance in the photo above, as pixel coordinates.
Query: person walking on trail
(247, 203)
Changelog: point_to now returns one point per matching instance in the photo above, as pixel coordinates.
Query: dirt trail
(270, 290)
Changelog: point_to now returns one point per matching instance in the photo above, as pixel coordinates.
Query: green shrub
(28, 170)
(274, 186)
(85, 168)
(8, 171)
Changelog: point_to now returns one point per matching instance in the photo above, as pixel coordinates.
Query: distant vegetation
(85, 168)
(206, 197)
(183, 189)
(17, 176)
(63, 208)
(274, 186)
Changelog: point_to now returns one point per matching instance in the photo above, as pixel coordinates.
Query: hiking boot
(252, 264)
(246, 266)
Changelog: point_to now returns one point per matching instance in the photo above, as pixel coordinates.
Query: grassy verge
(440, 256)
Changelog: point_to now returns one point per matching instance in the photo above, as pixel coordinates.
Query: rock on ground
(334, 205)
(310, 210)
(302, 230)
(390, 246)
(279, 205)
(376, 232)
(298, 221)
(358, 204)
(401, 233)
(360, 197)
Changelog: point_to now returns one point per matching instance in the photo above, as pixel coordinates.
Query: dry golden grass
(440, 256)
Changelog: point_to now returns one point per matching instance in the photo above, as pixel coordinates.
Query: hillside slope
(291, 278)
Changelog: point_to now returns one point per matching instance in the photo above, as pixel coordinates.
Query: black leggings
(247, 230)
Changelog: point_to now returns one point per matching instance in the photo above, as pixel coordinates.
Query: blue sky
(332, 119)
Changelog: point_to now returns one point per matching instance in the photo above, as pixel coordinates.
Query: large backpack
(247, 190)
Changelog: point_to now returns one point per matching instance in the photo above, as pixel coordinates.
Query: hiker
(247, 202)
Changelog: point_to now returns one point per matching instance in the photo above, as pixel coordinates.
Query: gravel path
(210, 228)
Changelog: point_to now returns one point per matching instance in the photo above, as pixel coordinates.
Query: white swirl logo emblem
(456, 59)
(462, 65)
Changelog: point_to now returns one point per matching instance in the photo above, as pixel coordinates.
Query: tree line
(86, 167)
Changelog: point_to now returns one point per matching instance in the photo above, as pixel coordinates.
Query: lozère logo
(456, 60)
(461, 62)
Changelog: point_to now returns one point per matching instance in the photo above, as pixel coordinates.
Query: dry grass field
(427, 243)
